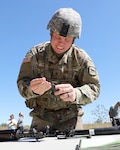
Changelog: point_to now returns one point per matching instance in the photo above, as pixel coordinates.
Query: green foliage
(3, 125)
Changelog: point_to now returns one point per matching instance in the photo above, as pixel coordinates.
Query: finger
(63, 91)
(62, 86)
(37, 80)
(65, 96)
(68, 95)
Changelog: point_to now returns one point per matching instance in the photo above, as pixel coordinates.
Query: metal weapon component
(14, 135)
(53, 88)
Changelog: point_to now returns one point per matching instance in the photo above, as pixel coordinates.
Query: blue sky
(23, 24)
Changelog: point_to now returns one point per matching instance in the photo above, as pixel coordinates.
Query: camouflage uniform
(74, 67)
(114, 114)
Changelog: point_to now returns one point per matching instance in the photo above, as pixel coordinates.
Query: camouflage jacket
(75, 67)
(114, 112)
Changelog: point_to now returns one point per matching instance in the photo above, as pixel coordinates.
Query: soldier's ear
(51, 32)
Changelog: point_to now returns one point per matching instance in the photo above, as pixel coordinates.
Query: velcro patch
(92, 71)
(26, 60)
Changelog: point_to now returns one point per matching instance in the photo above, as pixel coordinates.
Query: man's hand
(66, 92)
(40, 85)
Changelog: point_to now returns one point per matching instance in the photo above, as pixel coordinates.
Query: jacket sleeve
(25, 76)
(90, 89)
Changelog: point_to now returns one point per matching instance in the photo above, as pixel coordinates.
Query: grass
(97, 125)
(85, 126)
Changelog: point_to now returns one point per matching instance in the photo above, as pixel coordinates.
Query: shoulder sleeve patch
(27, 59)
(92, 71)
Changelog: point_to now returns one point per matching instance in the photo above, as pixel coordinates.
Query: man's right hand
(40, 85)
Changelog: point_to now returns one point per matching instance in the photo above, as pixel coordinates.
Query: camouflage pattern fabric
(57, 124)
(75, 67)
(113, 111)
(67, 22)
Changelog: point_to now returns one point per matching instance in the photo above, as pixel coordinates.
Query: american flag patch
(26, 59)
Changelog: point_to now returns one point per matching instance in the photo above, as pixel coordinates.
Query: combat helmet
(67, 22)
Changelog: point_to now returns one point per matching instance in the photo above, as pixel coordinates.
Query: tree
(100, 114)
(3, 124)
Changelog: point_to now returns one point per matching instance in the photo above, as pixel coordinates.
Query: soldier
(56, 76)
(114, 114)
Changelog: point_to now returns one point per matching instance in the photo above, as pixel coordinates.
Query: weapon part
(53, 88)
(14, 135)
(7, 135)
(96, 131)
